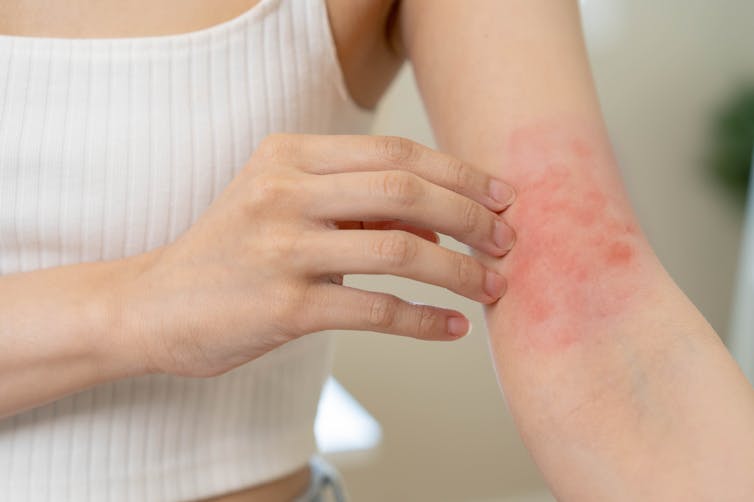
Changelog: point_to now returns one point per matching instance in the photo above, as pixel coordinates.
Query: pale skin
(619, 387)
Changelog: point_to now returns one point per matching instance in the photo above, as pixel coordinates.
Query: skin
(620, 388)
(577, 264)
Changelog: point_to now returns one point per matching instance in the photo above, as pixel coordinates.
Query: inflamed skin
(578, 257)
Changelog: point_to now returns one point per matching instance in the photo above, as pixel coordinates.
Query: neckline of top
(256, 11)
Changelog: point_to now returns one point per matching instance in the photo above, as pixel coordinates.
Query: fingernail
(501, 192)
(459, 326)
(504, 235)
(494, 284)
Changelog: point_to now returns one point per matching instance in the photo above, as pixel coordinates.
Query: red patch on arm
(619, 254)
(575, 259)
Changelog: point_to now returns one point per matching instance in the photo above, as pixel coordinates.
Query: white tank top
(111, 147)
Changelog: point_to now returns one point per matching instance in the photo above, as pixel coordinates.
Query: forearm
(612, 374)
(59, 333)
(618, 385)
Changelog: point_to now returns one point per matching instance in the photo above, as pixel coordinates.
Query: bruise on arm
(577, 261)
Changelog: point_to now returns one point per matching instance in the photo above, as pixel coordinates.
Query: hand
(265, 263)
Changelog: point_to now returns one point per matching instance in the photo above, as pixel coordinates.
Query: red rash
(575, 260)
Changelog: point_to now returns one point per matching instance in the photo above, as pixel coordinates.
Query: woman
(154, 228)
(619, 387)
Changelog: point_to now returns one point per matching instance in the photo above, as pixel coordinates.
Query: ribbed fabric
(111, 147)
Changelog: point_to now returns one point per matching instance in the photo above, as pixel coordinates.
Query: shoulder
(365, 34)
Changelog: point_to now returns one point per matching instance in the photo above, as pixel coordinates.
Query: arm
(619, 387)
(58, 333)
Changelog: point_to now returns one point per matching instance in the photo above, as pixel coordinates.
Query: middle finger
(399, 195)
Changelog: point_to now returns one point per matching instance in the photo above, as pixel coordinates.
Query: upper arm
(494, 65)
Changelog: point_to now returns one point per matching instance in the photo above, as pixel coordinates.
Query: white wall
(660, 67)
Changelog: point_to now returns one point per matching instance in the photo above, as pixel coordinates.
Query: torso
(364, 34)
(364, 31)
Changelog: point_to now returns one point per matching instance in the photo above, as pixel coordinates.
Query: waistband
(326, 483)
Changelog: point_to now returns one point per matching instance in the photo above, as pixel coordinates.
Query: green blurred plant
(730, 154)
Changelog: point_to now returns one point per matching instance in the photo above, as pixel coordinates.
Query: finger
(398, 195)
(424, 233)
(400, 253)
(327, 154)
(344, 307)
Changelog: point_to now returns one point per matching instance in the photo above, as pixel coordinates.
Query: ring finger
(400, 253)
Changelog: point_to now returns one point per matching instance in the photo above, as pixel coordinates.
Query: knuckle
(285, 248)
(293, 313)
(383, 311)
(400, 187)
(471, 217)
(277, 146)
(289, 316)
(396, 248)
(460, 175)
(278, 249)
(428, 320)
(269, 188)
(397, 149)
(464, 269)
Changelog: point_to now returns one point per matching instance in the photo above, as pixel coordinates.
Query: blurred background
(669, 74)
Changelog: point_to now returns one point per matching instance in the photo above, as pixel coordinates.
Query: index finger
(326, 154)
